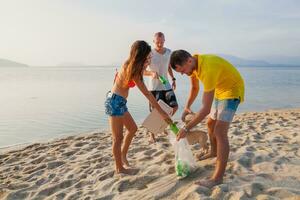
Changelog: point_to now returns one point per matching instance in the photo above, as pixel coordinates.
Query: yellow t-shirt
(218, 74)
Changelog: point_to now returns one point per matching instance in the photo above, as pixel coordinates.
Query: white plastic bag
(185, 163)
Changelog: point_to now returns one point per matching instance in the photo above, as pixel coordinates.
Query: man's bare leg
(221, 130)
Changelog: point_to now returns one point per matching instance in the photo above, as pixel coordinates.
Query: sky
(100, 32)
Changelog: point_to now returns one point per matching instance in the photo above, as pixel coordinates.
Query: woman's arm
(140, 84)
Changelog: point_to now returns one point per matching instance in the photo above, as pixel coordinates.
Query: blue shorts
(224, 110)
(115, 105)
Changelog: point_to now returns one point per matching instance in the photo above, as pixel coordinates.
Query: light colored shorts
(224, 110)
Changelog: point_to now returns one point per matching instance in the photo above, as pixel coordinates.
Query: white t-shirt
(159, 64)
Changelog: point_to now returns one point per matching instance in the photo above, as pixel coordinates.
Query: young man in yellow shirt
(223, 92)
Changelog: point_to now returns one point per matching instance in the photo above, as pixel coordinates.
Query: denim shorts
(224, 110)
(115, 105)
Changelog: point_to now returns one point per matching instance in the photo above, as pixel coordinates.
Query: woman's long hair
(134, 65)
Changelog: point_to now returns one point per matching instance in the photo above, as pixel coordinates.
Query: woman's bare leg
(116, 125)
(131, 130)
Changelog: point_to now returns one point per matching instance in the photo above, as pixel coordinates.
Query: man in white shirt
(160, 67)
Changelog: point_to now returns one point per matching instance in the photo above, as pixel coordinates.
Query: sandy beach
(264, 163)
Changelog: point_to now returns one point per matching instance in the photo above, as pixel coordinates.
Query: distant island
(9, 63)
(278, 62)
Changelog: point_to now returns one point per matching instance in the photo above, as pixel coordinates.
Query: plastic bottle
(174, 128)
(182, 169)
(163, 80)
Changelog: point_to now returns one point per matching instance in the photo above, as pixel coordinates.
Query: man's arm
(170, 72)
(147, 73)
(193, 92)
(192, 96)
(172, 77)
(153, 74)
(207, 100)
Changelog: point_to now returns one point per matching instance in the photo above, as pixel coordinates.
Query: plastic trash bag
(185, 163)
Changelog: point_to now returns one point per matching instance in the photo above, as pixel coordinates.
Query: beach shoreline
(4, 149)
(264, 163)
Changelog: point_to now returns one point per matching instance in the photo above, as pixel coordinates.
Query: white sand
(264, 163)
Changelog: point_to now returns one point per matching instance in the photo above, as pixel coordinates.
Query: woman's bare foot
(209, 183)
(165, 132)
(152, 138)
(202, 156)
(127, 171)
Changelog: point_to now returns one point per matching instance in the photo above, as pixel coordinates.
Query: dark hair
(135, 63)
(179, 57)
(159, 34)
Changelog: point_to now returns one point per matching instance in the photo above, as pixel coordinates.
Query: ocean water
(41, 103)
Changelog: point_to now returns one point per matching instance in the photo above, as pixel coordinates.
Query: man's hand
(181, 134)
(154, 75)
(185, 113)
(174, 85)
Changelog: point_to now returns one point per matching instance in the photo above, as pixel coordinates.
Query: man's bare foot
(127, 171)
(202, 156)
(125, 162)
(209, 183)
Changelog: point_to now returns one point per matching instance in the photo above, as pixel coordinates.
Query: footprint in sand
(138, 183)
(53, 189)
(69, 153)
(61, 195)
(34, 176)
(145, 158)
(31, 170)
(74, 196)
(2, 156)
(11, 160)
(17, 195)
(245, 160)
(55, 164)
(139, 149)
(106, 175)
(253, 189)
(171, 170)
(106, 197)
(80, 144)
(38, 160)
(150, 152)
(158, 153)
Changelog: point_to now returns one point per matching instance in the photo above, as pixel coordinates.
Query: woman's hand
(167, 118)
